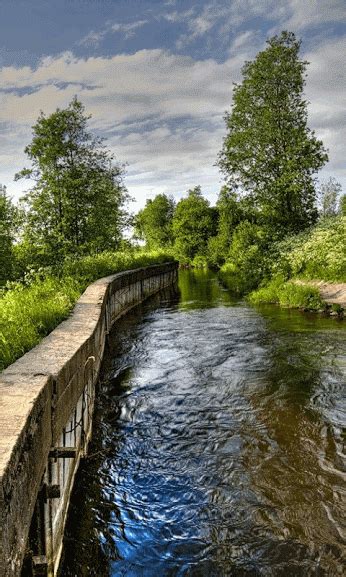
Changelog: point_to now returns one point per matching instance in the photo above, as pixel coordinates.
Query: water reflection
(218, 443)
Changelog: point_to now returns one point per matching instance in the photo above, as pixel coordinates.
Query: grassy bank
(268, 275)
(28, 312)
(288, 294)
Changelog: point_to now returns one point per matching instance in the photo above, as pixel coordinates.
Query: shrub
(316, 254)
(248, 261)
(288, 294)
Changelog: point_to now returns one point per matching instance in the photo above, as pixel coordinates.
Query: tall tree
(193, 223)
(76, 205)
(154, 222)
(7, 212)
(269, 152)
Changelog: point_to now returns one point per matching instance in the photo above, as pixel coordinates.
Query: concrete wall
(46, 405)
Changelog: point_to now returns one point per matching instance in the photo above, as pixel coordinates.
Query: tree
(154, 222)
(329, 192)
(193, 223)
(248, 256)
(76, 205)
(229, 213)
(269, 153)
(7, 214)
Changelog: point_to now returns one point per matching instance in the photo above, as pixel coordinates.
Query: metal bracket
(50, 492)
(63, 453)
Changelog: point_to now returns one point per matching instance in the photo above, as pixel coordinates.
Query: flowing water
(218, 443)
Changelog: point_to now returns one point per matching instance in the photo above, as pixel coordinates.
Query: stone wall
(46, 407)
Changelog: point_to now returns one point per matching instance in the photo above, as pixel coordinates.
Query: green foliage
(337, 308)
(193, 223)
(76, 205)
(316, 254)
(248, 260)
(269, 152)
(200, 261)
(89, 268)
(28, 314)
(7, 217)
(229, 212)
(288, 294)
(154, 222)
(31, 310)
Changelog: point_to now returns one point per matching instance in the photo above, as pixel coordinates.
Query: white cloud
(178, 16)
(222, 18)
(161, 112)
(127, 28)
(301, 15)
(121, 88)
(326, 90)
(93, 38)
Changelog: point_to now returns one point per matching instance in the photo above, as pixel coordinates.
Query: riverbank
(331, 293)
(309, 295)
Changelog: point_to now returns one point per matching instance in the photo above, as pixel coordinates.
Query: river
(217, 445)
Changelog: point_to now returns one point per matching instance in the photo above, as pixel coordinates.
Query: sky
(157, 78)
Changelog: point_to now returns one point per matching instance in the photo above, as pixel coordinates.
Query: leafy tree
(193, 223)
(154, 222)
(249, 256)
(229, 212)
(329, 192)
(269, 152)
(76, 205)
(7, 215)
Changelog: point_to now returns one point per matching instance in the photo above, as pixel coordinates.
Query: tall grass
(29, 312)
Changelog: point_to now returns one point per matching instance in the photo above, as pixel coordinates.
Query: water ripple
(218, 445)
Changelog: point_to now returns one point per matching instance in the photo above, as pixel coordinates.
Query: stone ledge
(37, 393)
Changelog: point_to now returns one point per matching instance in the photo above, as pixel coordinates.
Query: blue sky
(157, 77)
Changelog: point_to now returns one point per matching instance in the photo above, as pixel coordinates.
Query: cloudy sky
(157, 77)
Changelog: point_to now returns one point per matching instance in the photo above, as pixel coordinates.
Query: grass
(29, 312)
(288, 294)
(316, 254)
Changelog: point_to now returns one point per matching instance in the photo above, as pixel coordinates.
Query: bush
(316, 254)
(249, 259)
(288, 294)
(200, 261)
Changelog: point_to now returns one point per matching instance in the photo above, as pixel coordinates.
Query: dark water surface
(217, 446)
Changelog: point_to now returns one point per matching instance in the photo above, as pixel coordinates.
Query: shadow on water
(217, 445)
